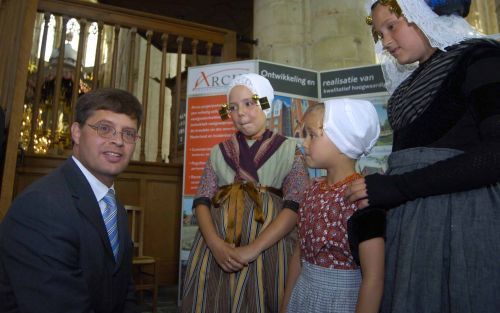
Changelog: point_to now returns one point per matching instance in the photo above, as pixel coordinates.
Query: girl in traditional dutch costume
(442, 185)
(246, 207)
(325, 275)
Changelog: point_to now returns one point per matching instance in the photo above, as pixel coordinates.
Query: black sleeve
(470, 170)
(467, 171)
(292, 205)
(364, 225)
(475, 168)
(202, 200)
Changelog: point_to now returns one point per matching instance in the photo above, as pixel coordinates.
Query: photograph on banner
(286, 115)
(376, 161)
(189, 224)
(189, 229)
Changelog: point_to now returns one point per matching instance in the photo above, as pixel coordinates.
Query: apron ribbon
(236, 195)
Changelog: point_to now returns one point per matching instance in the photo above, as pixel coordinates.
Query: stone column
(316, 34)
(497, 10)
(340, 36)
(280, 27)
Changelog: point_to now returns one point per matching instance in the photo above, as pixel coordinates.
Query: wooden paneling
(128, 18)
(162, 220)
(155, 186)
(128, 189)
(19, 15)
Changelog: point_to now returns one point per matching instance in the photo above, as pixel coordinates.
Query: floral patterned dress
(330, 278)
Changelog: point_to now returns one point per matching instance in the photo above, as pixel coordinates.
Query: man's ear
(75, 132)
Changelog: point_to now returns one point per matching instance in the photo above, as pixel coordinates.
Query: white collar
(99, 188)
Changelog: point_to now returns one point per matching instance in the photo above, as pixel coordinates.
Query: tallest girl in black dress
(442, 186)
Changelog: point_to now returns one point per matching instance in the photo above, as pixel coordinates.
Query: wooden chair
(140, 261)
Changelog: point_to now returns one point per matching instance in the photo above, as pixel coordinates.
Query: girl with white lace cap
(442, 186)
(326, 273)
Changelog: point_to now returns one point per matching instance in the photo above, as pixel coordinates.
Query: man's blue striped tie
(109, 216)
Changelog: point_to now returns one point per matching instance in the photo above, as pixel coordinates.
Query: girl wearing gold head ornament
(246, 207)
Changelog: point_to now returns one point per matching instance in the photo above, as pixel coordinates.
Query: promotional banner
(353, 81)
(295, 90)
(290, 80)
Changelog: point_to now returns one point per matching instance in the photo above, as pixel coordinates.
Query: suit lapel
(85, 201)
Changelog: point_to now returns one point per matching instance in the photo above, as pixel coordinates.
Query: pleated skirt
(325, 290)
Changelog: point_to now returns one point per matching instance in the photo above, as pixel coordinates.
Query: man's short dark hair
(111, 99)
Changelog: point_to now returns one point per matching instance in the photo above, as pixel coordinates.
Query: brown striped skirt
(259, 286)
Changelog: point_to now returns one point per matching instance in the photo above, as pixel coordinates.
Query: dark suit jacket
(55, 255)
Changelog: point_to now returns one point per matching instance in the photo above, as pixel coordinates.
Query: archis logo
(221, 78)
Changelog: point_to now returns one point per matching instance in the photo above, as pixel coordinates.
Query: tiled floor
(167, 301)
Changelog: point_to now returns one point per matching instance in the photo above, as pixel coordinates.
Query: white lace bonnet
(441, 30)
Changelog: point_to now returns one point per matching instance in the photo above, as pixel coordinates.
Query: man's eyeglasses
(109, 132)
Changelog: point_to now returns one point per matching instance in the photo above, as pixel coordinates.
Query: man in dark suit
(64, 243)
